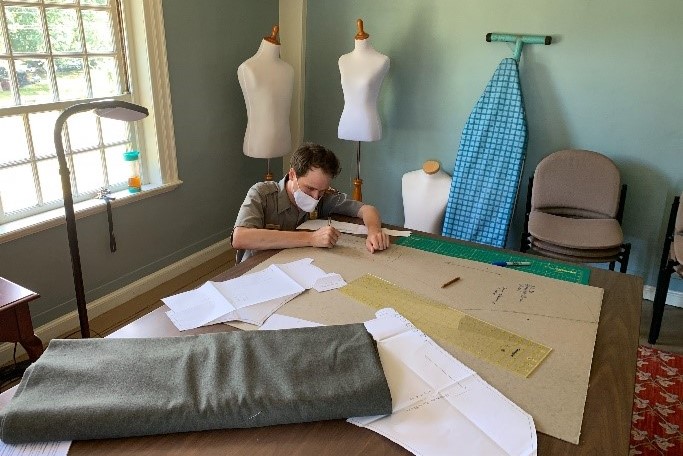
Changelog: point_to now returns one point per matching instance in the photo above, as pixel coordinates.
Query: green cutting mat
(546, 268)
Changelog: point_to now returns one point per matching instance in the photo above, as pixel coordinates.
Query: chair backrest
(577, 183)
(678, 233)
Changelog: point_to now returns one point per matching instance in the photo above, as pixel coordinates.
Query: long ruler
(484, 340)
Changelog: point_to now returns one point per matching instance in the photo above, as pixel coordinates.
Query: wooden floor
(109, 322)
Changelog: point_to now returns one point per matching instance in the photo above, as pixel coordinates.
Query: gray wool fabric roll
(109, 388)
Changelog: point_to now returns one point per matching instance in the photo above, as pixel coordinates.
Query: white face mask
(305, 201)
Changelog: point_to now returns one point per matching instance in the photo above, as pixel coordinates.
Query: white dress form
(425, 194)
(267, 83)
(362, 72)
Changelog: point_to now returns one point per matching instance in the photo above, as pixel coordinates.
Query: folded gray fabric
(108, 388)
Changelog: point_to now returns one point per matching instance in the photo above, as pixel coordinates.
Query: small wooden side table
(15, 318)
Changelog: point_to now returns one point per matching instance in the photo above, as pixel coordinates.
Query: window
(55, 53)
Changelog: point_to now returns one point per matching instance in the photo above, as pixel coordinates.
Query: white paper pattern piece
(440, 406)
(35, 449)
(346, 227)
(250, 298)
(284, 322)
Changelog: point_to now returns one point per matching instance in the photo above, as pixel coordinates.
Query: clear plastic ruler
(496, 345)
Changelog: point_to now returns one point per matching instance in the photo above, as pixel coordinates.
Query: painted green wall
(612, 81)
(206, 42)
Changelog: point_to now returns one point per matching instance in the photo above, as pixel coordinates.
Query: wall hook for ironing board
(519, 40)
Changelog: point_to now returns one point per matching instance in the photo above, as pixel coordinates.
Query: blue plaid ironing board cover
(489, 162)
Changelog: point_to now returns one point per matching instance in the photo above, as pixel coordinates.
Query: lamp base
(357, 190)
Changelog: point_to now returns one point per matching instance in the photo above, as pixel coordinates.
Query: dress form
(425, 193)
(267, 83)
(362, 72)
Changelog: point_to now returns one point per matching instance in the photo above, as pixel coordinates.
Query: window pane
(62, 25)
(94, 2)
(88, 170)
(97, 28)
(104, 76)
(16, 188)
(71, 82)
(25, 30)
(50, 180)
(33, 83)
(42, 132)
(113, 130)
(6, 94)
(62, 1)
(82, 130)
(14, 147)
(3, 48)
(117, 167)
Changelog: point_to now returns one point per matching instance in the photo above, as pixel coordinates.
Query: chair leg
(659, 302)
(611, 265)
(623, 258)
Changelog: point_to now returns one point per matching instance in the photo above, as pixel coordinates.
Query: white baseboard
(673, 298)
(106, 303)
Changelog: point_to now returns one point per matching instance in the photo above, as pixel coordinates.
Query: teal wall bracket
(519, 40)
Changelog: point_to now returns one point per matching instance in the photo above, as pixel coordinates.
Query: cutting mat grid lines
(484, 340)
(545, 268)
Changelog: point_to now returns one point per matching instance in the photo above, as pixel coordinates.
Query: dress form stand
(425, 195)
(362, 72)
(267, 84)
(357, 182)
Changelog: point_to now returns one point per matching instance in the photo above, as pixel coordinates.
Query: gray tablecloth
(108, 388)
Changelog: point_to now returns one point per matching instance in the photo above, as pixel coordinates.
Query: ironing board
(489, 162)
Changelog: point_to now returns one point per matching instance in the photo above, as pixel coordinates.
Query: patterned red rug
(657, 426)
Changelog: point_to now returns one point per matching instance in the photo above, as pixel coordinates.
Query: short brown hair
(309, 156)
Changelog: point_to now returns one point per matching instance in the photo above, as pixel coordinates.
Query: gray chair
(575, 204)
(672, 257)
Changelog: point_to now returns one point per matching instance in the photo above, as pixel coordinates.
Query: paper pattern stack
(250, 298)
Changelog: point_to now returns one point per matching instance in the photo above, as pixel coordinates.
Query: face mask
(305, 201)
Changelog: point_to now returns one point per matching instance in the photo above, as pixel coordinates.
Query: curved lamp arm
(112, 109)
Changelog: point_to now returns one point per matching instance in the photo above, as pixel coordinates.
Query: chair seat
(677, 248)
(575, 233)
(570, 258)
(584, 253)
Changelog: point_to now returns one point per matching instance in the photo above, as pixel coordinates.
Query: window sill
(40, 222)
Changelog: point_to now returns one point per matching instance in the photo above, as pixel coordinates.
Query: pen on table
(453, 280)
(506, 264)
(329, 221)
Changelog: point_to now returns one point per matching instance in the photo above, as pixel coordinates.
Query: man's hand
(326, 236)
(377, 240)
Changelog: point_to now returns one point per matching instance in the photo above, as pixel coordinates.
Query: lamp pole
(114, 109)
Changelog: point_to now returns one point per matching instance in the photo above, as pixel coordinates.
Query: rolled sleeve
(339, 203)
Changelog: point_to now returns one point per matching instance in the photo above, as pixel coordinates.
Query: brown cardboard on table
(560, 315)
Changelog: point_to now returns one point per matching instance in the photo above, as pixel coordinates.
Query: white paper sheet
(440, 406)
(35, 449)
(284, 322)
(250, 298)
(346, 227)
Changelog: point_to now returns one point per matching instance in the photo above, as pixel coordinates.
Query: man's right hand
(326, 236)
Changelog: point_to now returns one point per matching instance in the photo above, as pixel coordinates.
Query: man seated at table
(272, 210)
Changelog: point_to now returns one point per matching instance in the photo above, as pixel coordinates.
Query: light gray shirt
(267, 205)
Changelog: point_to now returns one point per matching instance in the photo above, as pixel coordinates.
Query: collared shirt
(267, 205)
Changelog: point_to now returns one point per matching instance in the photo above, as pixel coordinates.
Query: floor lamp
(110, 109)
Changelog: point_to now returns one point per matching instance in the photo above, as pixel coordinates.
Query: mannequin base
(357, 190)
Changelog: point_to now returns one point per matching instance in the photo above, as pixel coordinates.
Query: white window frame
(150, 87)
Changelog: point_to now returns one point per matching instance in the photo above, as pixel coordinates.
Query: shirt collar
(283, 202)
